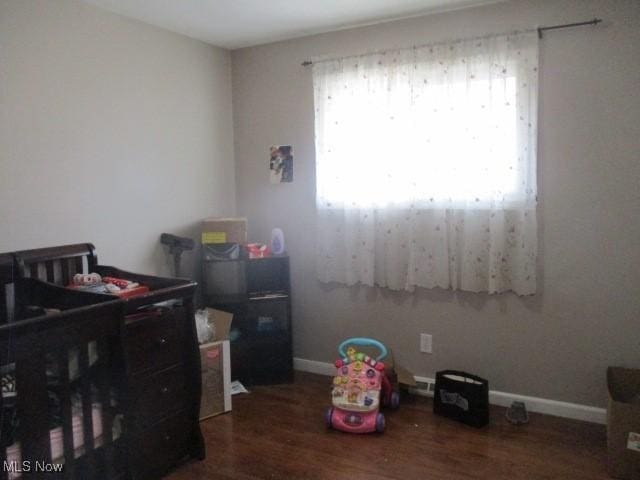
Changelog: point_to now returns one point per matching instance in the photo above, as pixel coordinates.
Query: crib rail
(57, 265)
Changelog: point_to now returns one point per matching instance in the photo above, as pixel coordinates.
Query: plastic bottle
(277, 241)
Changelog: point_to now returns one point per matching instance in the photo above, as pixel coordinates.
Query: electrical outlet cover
(425, 343)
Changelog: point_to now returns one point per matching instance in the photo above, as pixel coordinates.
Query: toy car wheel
(380, 424)
(395, 400)
(327, 417)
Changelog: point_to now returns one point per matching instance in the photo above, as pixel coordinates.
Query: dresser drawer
(162, 446)
(158, 395)
(156, 341)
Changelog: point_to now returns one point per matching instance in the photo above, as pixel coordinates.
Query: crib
(62, 393)
(113, 383)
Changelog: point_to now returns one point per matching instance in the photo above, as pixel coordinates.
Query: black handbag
(462, 396)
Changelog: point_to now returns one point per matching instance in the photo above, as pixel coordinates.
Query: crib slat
(104, 379)
(3, 451)
(6, 279)
(48, 265)
(78, 267)
(5, 303)
(87, 404)
(33, 270)
(4, 361)
(64, 267)
(33, 408)
(104, 389)
(67, 413)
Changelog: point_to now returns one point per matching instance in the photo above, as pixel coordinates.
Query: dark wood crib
(138, 356)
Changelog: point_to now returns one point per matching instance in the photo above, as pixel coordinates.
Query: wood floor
(278, 432)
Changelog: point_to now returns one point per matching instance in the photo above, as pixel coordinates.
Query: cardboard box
(216, 379)
(221, 323)
(623, 423)
(224, 230)
(397, 373)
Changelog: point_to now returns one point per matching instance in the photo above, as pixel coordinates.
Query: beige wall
(111, 131)
(556, 344)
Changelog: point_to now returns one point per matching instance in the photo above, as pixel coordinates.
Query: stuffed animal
(87, 279)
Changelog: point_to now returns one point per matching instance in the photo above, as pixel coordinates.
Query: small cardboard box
(623, 423)
(216, 379)
(221, 323)
(224, 230)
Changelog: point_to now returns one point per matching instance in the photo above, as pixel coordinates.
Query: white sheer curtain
(426, 166)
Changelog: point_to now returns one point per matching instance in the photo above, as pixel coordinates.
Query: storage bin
(268, 275)
(224, 277)
(221, 251)
(462, 396)
(623, 423)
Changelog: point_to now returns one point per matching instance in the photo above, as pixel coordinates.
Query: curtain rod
(595, 21)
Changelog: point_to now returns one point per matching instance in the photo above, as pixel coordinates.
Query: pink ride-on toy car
(359, 387)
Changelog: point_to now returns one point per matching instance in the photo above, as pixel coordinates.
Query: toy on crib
(359, 387)
(87, 279)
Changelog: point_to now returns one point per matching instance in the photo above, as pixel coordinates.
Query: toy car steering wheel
(363, 342)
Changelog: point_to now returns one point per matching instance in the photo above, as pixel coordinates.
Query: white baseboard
(534, 404)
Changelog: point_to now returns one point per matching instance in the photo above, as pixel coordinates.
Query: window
(434, 132)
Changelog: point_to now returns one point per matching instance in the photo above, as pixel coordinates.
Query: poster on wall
(281, 164)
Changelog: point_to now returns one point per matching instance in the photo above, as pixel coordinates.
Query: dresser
(164, 384)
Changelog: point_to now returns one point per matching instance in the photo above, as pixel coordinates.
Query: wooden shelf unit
(261, 340)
